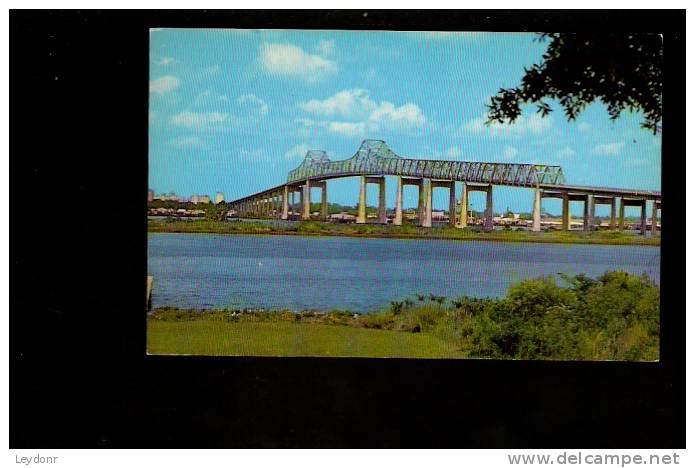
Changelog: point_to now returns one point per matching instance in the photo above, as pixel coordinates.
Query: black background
(78, 373)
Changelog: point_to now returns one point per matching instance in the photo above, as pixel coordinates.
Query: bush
(615, 317)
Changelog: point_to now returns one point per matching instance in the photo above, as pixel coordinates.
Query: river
(213, 271)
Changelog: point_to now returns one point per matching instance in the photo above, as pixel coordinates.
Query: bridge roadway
(374, 160)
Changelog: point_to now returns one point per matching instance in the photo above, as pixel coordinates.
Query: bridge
(374, 161)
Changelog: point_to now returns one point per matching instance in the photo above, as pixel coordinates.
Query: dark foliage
(623, 71)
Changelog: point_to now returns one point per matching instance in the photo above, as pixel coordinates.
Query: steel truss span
(375, 157)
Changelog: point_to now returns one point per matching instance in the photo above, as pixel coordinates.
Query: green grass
(278, 338)
(612, 317)
(407, 231)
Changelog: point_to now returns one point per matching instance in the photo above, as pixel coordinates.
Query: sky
(234, 111)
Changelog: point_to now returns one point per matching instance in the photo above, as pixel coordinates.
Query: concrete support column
(306, 205)
(324, 202)
(655, 208)
(643, 217)
(589, 213)
(452, 203)
(463, 220)
(488, 225)
(621, 217)
(592, 212)
(421, 202)
(612, 223)
(361, 204)
(427, 217)
(285, 202)
(536, 227)
(565, 211)
(381, 210)
(398, 215)
(301, 199)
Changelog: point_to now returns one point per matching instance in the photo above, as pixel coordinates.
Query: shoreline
(567, 321)
(374, 231)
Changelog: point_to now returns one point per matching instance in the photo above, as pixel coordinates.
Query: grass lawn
(219, 338)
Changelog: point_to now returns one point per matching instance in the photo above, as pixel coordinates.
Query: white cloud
(164, 84)
(186, 142)
(290, 60)
(565, 152)
(253, 101)
(166, 61)
(339, 128)
(533, 124)
(583, 127)
(608, 149)
(297, 151)
(408, 114)
(325, 48)
(363, 113)
(509, 152)
(199, 120)
(347, 128)
(348, 103)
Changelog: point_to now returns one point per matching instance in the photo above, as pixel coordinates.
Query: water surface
(211, 270)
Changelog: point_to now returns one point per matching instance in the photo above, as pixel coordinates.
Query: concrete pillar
(285, 202)
(398, 215)
(487, 222)
(592, 212)
(452, 203)
(643, 217)
(427, 189)
(306, 205)
(324, 202)
(301, 199)
(565, 211)
(654, 213)
(612, 223)
(421, 202)
(361, 204)
(621, 216)
(589, 213)
(463, 220)
(381, 210)
(536, 227)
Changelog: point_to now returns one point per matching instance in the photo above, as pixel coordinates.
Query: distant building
(219, 198)
(166, 197)
(195, 199)
(150, 195)
(203, 199)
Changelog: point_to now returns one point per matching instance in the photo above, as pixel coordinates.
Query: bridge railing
(525, 175)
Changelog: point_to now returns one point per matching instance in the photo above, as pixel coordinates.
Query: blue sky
(235, 110)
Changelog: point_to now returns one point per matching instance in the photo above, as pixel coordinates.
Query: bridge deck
(574, 189)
